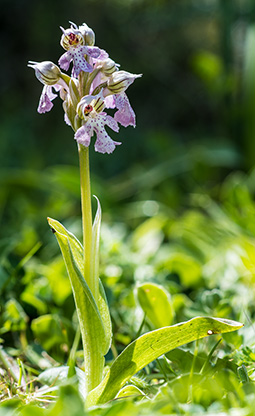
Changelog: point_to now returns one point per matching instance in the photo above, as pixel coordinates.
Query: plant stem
(86, 213)
(94, 362)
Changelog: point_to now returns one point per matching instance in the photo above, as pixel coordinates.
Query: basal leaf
(91, 324)
(76, 249)
(150, 346)
(75, 245)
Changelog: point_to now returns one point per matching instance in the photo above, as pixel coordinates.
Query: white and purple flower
(90, 109)
(73, 41)
(117, 84)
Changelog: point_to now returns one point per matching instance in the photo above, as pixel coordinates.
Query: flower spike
(95, 85)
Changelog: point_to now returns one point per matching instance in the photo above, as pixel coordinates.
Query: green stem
(92, 350)
(91, 78)
(83, 78)
(86, 213)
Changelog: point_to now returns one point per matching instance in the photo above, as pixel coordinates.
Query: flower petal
(93, 51)
(110, 101)
(104, 144)
(103, 55)
(79, 61)
(64, 60)
(67, 121)
(84, 134)
(77, 55)
(125, 114)
(110, 122)
(47, 96)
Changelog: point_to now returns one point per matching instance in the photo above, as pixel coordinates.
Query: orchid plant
(96, 84)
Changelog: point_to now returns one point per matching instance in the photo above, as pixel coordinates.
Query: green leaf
(102, 301)
(150, 346)
(91, 324)
(130, 390)
(68, 403)
(156, 304)
(75, 245)
(76, 249)
(187, 267)
(94, 266)
(105, 316)
(14, 316)
(51, 324)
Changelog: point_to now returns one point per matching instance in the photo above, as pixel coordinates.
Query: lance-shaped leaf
(105, 316)
(91, 325)
(76, 249)
(94, 265)
(75, 245)
(150, 346)
(102, 301)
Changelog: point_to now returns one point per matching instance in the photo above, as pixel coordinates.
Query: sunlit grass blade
(150, 346)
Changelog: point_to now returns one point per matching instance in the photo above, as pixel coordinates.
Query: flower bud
(47, 72)
(120, 81)
(87, 34)
(108, 66)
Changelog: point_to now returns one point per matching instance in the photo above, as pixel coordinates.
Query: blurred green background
(182, 182)
(195, 103)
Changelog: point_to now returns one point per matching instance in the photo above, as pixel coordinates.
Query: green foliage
(156, 304)
(60, 329)
(212, 234)
(94, 318)
(150, 346)
(15, 318)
